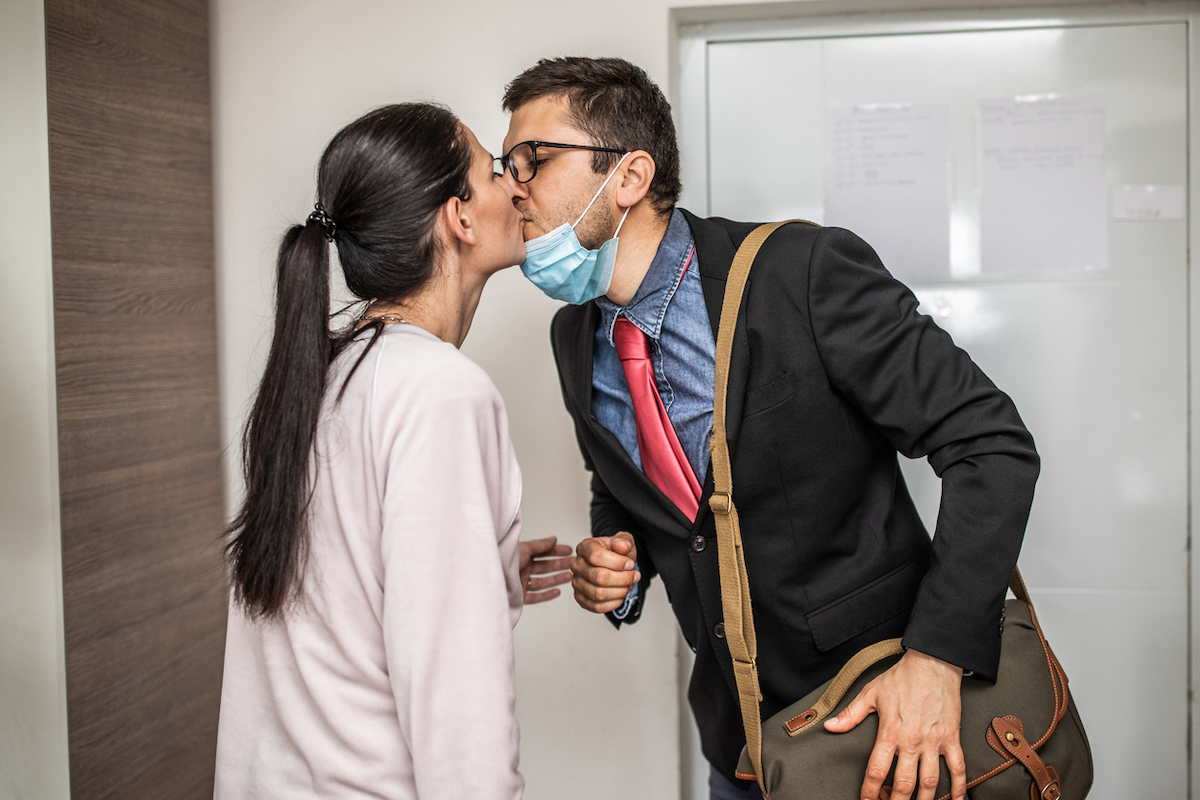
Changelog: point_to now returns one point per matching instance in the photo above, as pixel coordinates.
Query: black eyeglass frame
(506, 161)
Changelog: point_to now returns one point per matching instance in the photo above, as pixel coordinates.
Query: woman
(375, 558)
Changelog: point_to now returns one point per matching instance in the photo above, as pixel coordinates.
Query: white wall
(598, 709)
(33, 693)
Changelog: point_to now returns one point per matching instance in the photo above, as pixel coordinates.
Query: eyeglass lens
(522, 162)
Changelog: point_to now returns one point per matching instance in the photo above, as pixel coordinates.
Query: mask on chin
(560, 266)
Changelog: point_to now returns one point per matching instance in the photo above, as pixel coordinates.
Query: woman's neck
(445, 306)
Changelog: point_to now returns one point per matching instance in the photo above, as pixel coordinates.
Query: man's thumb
(850, 716)
(622, 543)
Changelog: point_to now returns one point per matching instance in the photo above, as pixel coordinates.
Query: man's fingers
(918, 704)
(927, 779)
(597, 591)
(878, 766)
(598, 594)
(958, 771)
(599, 553)
(904, 782)
(583, 596)
(606, 559)
(599, 576)
(858, 710)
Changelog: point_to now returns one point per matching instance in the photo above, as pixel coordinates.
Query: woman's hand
(543, 566)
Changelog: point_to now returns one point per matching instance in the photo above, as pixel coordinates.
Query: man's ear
(637, 173)
(455, 220)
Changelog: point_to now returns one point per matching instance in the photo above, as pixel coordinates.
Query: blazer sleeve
(608, 515)
(930, 399)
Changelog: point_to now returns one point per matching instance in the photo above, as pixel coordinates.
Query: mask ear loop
(597, 194)
(617, 232)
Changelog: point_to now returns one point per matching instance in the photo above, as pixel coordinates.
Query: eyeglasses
(522, 160)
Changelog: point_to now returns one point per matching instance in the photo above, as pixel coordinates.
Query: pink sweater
(392, 677)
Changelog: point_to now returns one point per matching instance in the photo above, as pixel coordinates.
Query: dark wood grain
(139, 446)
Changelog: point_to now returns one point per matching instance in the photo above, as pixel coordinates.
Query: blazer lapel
(716, 248)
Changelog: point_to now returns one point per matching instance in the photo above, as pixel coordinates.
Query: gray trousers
(721, 788)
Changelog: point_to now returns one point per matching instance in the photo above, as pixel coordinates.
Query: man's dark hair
(617, 105)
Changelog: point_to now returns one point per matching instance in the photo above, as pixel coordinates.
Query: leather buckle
(1053, 789)
(721, 502)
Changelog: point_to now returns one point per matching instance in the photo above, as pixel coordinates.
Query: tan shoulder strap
(735, 586)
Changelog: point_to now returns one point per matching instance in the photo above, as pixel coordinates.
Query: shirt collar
(649, 304)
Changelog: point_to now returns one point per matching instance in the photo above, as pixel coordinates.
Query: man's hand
(544, 557)
(604, 570)
(919, 702)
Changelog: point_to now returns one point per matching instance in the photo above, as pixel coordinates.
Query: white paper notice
(887, 178)
(1043, 192)
(1144, 203)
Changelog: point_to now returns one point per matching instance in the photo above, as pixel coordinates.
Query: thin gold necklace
(386, 319)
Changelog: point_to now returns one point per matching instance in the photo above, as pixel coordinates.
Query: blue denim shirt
(669, 308)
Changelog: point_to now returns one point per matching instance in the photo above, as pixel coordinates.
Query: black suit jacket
(833, 373)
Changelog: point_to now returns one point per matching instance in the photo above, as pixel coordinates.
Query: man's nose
(517, 191)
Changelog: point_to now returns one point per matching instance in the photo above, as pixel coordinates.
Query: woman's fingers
(552, 565)
(548, 582)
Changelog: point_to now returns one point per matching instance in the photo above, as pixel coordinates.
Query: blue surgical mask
(564, 269)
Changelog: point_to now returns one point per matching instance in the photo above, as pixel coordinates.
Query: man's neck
(639, 241)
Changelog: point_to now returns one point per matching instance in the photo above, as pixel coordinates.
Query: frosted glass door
(1095, 358)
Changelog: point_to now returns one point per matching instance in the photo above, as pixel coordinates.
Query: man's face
(565, 181)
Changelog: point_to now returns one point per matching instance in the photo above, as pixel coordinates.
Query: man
(833, 373)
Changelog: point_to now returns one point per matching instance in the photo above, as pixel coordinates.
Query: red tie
(663, 460)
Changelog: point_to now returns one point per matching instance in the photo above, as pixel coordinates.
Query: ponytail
(382, 178)
(269, 535)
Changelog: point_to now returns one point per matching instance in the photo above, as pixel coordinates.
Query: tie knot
(630, 342)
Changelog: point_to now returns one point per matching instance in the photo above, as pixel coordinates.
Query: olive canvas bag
(1021, 737)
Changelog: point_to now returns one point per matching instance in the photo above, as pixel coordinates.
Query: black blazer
(833, 373)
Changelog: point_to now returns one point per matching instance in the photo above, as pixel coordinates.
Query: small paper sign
(1144, 203)
(1042, 182)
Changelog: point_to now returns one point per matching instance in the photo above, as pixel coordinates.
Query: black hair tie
(326, 222)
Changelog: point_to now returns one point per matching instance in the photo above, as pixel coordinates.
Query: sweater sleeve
(451, 495)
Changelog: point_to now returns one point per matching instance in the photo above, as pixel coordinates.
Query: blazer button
(719, 630)
(699, 543)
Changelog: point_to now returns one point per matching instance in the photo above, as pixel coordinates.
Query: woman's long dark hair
(381, 182)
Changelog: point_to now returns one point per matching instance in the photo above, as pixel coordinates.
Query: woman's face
(498, 224)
